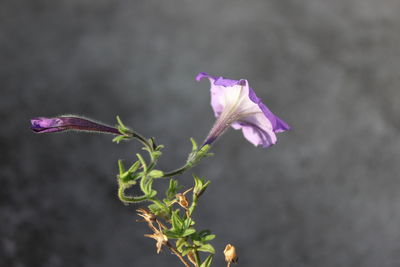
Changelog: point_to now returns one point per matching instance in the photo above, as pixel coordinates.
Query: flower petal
(257, 130)
(278, 124)
(236, 104)
(62, 123)
(46, 125)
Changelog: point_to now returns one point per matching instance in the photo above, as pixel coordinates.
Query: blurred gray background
(325, 195)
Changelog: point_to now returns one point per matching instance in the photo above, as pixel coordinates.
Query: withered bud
(230, 254)
(182, 200)
(146, 215)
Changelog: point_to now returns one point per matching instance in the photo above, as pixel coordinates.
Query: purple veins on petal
(236, 104)
(63, 123)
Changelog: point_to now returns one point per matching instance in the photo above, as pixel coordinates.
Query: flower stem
(174, 251)
(177, 171)
(141, 138)
(197, 257)
(129, 199)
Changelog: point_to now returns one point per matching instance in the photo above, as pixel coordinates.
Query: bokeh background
(325, 195)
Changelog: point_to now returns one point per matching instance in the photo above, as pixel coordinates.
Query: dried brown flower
(182, 200)
(148, 217)
(159, 236)
(230, 254)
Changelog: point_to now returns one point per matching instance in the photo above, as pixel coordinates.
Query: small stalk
(174, 251)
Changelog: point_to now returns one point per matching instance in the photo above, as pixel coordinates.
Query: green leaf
(177, 222)
(154, 208)
(188, 222)
(180, 243)
(159, 147)
(205, 232)
(148, 188)
(134, 167)
(195, 237)
(207, 261)
(152, 194)
(188, 231)
(208, 238)
(171, 234)
(207, 248)
(185, 251)
(156, 174)
(198, 243)
(172, 190)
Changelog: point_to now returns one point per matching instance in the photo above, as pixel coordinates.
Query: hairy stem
(129, 199)
(177, 171)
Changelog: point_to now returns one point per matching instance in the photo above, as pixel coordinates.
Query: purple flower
(236, 104)
(63, 123)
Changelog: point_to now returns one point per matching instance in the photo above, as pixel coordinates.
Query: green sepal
(200, 185)
(121, 167)
(119, 138)
(125, 132)
(197, 154)
(194, 144)
(129, 175)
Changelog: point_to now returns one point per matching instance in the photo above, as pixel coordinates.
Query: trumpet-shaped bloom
(236, 104)
(63, 123)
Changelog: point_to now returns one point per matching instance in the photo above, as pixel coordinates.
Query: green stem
(141, 138)
(129, 199)
(193, 205)
(156, 201)
(178, 171)
(197, 258)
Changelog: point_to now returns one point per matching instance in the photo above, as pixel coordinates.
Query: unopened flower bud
(230, 254)
(63, 123)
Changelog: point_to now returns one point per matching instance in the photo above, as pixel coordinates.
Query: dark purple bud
(63, 123)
